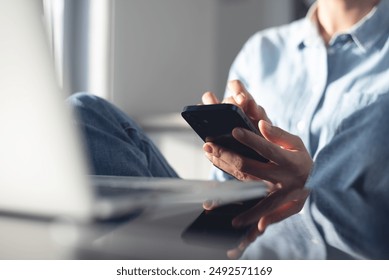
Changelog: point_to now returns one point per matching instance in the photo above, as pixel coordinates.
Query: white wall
(168, 52)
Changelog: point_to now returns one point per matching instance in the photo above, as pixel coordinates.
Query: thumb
(280, 137)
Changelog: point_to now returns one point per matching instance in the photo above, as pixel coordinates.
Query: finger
(280, 137)
(230, 100)
(261, 145)
(243, 169)
(239, 93)
(237, 252)
(280, 214)
(234, 254)
(211, 204)
(275, 207)
(267, 205)
(240, 167)
(294, 206)
(246, 101)
(209, 98)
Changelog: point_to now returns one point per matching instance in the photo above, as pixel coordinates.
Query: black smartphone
(214, 123)
(213, 228)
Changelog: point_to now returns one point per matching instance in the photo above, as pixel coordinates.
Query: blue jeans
(115, 144)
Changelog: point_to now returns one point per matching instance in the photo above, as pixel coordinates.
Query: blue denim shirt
(307, 87)
(350, 184)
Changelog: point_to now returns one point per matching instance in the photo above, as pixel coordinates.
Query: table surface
(160, 233)
(154, 234)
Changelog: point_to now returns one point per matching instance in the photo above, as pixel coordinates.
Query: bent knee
(84, 99)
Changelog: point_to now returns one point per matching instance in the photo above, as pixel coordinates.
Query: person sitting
(309, 75)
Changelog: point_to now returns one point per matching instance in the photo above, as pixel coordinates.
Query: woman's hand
(277, 206)
(286, 174)
(242, 98)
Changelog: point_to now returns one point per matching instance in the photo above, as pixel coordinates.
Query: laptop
(43, 170)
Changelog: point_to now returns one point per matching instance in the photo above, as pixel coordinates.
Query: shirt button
(308, 42)
(301, 126)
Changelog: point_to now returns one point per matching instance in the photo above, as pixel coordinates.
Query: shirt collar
(369, 30)
(365, 33)
(310, 35)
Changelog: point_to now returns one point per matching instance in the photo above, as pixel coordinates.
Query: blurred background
(153, 57)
